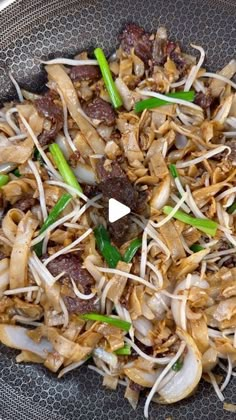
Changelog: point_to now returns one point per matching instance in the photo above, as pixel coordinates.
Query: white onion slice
(16, 337)
(186, 380)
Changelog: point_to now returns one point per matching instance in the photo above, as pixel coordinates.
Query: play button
(116, 210)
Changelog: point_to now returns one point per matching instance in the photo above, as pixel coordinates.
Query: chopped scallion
(131, 250)
(116, 322)
(4, 179)
(232, 208)
(107, 77)
(155, 102)
(124, 351)
(63, 167)
(52, 217)
(204, 225)
(173, 170)
(196, 248)
(177, 366)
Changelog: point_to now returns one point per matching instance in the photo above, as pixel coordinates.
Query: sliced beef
(100, 110)
(204, 100)
(119, 230)
(174, 53)
(113, 171)
(79, 306)
(224, 155)
(71, 264)
(89, 73)
(115, 184)
(47, 108)
(121, 190)
(231, 262)
(2, 255)
(25, 203)
(135, 37)
(232, 156)
(136, 387)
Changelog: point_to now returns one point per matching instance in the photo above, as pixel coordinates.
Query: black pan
(34, 29)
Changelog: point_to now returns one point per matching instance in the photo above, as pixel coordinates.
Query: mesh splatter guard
(30, 30)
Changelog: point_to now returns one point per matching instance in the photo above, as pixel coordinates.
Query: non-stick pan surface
(34, 29)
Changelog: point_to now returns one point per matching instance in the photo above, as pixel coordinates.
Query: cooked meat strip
(115, 184)
(25, 203)
(204, 100)
(80, 73)
(49, 109)
(71, 264)
(101, 110)
(135, 37)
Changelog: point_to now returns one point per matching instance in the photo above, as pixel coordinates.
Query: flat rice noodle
(74, 328)
(32, 116)
(202, 195)
(89, 339)
(28, 357)
(4, 274)
(73, 352)
(216, 86)
(172, 240)
(5, 128)
(199, 332)
(20, 251)
(141, 377)
(30, 310)
(158, 166)
(15, 189)
(225, 346)
(57, 74)
(132, 396)
(54, 361)
(188, 265)
(191, 235)
(129, 141)
(209, 360)
(82, 145)
(119, 282)
(18, 152)
(225, 309)
(110, 382)
(135, 304)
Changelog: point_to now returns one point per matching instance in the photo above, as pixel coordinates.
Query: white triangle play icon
(116, 210)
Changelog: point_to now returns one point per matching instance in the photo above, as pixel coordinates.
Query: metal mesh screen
(31, 30)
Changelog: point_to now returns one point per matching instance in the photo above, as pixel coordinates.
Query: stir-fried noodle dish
(148, 301)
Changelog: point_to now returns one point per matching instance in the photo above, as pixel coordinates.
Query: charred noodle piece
(109, 252)
(52, 217)
(63, 167)
(132, 249)
(205, 225)
(155, 102)
(4, 179)
(116, 322)
(107, 77)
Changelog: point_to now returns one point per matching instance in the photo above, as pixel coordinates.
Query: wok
(31, 30)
